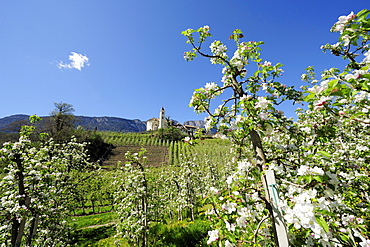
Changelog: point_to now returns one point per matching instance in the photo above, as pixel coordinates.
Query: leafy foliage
(61, 123)
(170, 134)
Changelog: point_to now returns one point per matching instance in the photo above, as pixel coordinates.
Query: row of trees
(320, 196)
(61, 125)
(35, 198)
(167, 194)
(41, 175)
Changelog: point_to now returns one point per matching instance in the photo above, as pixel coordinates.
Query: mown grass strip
(80, 222)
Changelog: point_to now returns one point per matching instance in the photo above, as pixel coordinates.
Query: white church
(157, 123)
(154, 124)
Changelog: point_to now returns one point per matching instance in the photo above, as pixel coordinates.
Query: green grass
(112, 241)
(180, 233)
(91, 236)
(88, 209)
(176, 234)
(90, 229)
(95, 219)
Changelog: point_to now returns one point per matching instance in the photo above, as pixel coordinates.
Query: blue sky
(132, 51)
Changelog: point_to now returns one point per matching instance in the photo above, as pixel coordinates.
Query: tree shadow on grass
(89, 236)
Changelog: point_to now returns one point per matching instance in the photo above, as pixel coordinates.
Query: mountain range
(13, 123)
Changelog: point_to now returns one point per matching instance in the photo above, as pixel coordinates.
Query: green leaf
(325, 212)
(333, 83)
(338, 104)
(318, 178)
(307, 178)
(358, 114)
(309, 97)
(363, 14)
(365, 87)
(325, 154)
(34, 119)
(321, 221)
(365, 76)
(343, 237)
(256, 73)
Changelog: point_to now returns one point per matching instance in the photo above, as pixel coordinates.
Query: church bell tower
(162, 119)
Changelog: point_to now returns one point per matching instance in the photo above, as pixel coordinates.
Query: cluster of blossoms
(213, 236)
(356, 74)
(322, 175)
(308, 170)
(236, 210)
(218, 48)
(347, 89)
(302, 213)
(239, 59)
(262, 103)
(366, 59)
(342, 22)
(211, 86)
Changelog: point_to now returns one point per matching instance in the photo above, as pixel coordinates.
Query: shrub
(171, 134)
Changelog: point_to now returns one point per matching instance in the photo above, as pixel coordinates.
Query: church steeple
(162, 119)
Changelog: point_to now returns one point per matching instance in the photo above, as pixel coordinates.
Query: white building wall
(162, 119)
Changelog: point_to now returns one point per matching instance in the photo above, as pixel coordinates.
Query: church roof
(191, 127)
(153, 119)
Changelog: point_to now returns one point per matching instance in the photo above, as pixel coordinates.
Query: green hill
(164, 152)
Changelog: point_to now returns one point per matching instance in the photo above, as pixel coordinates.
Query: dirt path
(96, 226)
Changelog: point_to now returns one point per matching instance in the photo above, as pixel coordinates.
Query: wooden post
(273, 197)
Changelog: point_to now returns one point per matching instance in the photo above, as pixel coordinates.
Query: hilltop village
(162, 122)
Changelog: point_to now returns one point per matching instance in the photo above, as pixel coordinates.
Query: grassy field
(179, 233)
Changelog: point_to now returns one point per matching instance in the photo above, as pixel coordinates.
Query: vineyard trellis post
(269, 182)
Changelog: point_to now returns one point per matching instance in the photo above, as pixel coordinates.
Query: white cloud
(78, 61)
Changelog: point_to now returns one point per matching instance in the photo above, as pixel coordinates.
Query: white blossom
(262, 103)
(213, 236)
